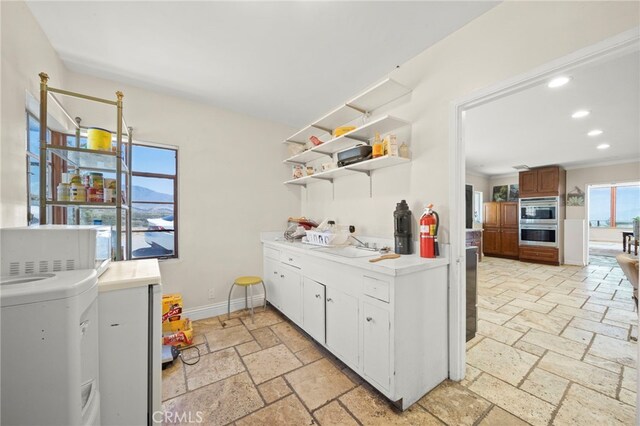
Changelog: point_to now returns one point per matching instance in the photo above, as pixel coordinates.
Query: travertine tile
(229, 322)
(594, 308)
(628, 397)
(509, 310)
(333, 414)
(288, 410)
(265, 337)
(520, 296)
(580, 372)
(274, 389)
(514, 400)
(248, 348)
(471, 373)
(620, 351)
(219, 403)
(569, 312)
(542, 322)
(532, 306)
(262, 319)
(545, 386)
(583, 406)
(318, 383)
(599, 328)
(619, 315)
(173, 381)
(454, 404)
(577, 335)
(291, 337)
(630, 378)
(498, 332)
(213, 367)
(309, 355)
(477, 339)
(500, 360)
(531, 348)
(492, 316)
(226, 337)
(204, 325)
(555, 343)
(561, 299)
(492, 302)
(498, 417)
(371, 409)
(603, 363)
(266, 364)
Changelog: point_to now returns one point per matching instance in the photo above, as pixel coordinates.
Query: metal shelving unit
(116, 162)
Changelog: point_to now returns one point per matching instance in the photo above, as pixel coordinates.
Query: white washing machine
(49, 349)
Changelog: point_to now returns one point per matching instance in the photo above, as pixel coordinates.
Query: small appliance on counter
(402, 230)
(354, 155)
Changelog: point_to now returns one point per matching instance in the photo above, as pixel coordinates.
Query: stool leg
(251, 297)
(229, 302)
(265, 295)
(246, 301)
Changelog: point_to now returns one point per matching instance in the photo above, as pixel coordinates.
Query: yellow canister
(339, 131)
(98, 139)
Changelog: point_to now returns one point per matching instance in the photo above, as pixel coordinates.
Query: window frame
(612, 204)
(174, 203)
(36, 156)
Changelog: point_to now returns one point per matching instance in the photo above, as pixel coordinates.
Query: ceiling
(534, 127)
(290, 62)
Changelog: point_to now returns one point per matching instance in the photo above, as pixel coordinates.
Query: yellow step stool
(247, 282)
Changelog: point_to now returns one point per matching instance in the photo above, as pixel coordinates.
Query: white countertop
(129, 274)
(406, 264)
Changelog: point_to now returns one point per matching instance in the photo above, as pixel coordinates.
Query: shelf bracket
(360, 110)
(366, 172)
(324, 129)
(324, 178)
(328, 154)
(296, 142)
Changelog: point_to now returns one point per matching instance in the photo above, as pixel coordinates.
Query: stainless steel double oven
(539, 221)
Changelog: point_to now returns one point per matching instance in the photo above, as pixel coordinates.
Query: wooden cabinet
(313, 295)
(539, 254)
(542, 182)
(500, 236)
(342, 325)
(376, 357)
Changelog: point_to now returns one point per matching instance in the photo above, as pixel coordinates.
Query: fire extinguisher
(428, 232)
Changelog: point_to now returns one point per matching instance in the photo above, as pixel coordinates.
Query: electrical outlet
(212, 294)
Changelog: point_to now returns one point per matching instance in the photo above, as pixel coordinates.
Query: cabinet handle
(290, 260)
(281, 276)
(329, 299)
(369, 319)
(317, 296)
(275, 272)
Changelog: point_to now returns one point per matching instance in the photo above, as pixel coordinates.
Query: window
(33, 169)
(154, 189)
(613, 206)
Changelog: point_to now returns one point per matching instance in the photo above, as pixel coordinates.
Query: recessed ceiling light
(558, 82)
(603, 146)
(596, 132)
(580, 114)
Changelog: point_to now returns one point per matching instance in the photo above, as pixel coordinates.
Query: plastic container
(378, 148)
(98, 139)
(63, 192)
(96, 180)
(177, 333)
(78, 192)
(327, 238)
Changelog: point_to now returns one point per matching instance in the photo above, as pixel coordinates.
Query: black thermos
(402, 230)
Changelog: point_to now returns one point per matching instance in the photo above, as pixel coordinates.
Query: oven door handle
(541, 227)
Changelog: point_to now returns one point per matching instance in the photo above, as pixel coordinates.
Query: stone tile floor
(552, 348)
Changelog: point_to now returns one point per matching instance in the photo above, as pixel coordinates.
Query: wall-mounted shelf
(364, 104)
(362, 167)
(363, 133)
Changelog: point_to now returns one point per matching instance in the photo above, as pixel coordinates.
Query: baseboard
(574, 262)
(208, 311)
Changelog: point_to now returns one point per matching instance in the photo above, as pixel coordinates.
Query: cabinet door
(272, 281)
(528, 182)
(491, 214)
(548, 180)
(376, 350)
(313, 308)
(290, 293)
(509, 242)
(509, 215)
(342, 325)
(491, 241)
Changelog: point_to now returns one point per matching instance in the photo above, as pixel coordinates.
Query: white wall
(618, 173)
(500, 181)
(230, 172)
(510, 39)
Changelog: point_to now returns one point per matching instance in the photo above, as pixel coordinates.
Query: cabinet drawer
(376, 288)
(271, 253)
(544, 254)
(292, 259)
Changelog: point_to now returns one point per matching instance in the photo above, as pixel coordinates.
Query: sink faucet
(362, 245)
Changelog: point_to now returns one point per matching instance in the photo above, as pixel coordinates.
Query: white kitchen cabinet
(386, 321)
(342, 325)
(291, 293)
(313, 320)
(376, 361)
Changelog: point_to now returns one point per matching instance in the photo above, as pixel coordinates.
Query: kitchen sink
(350, 252)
